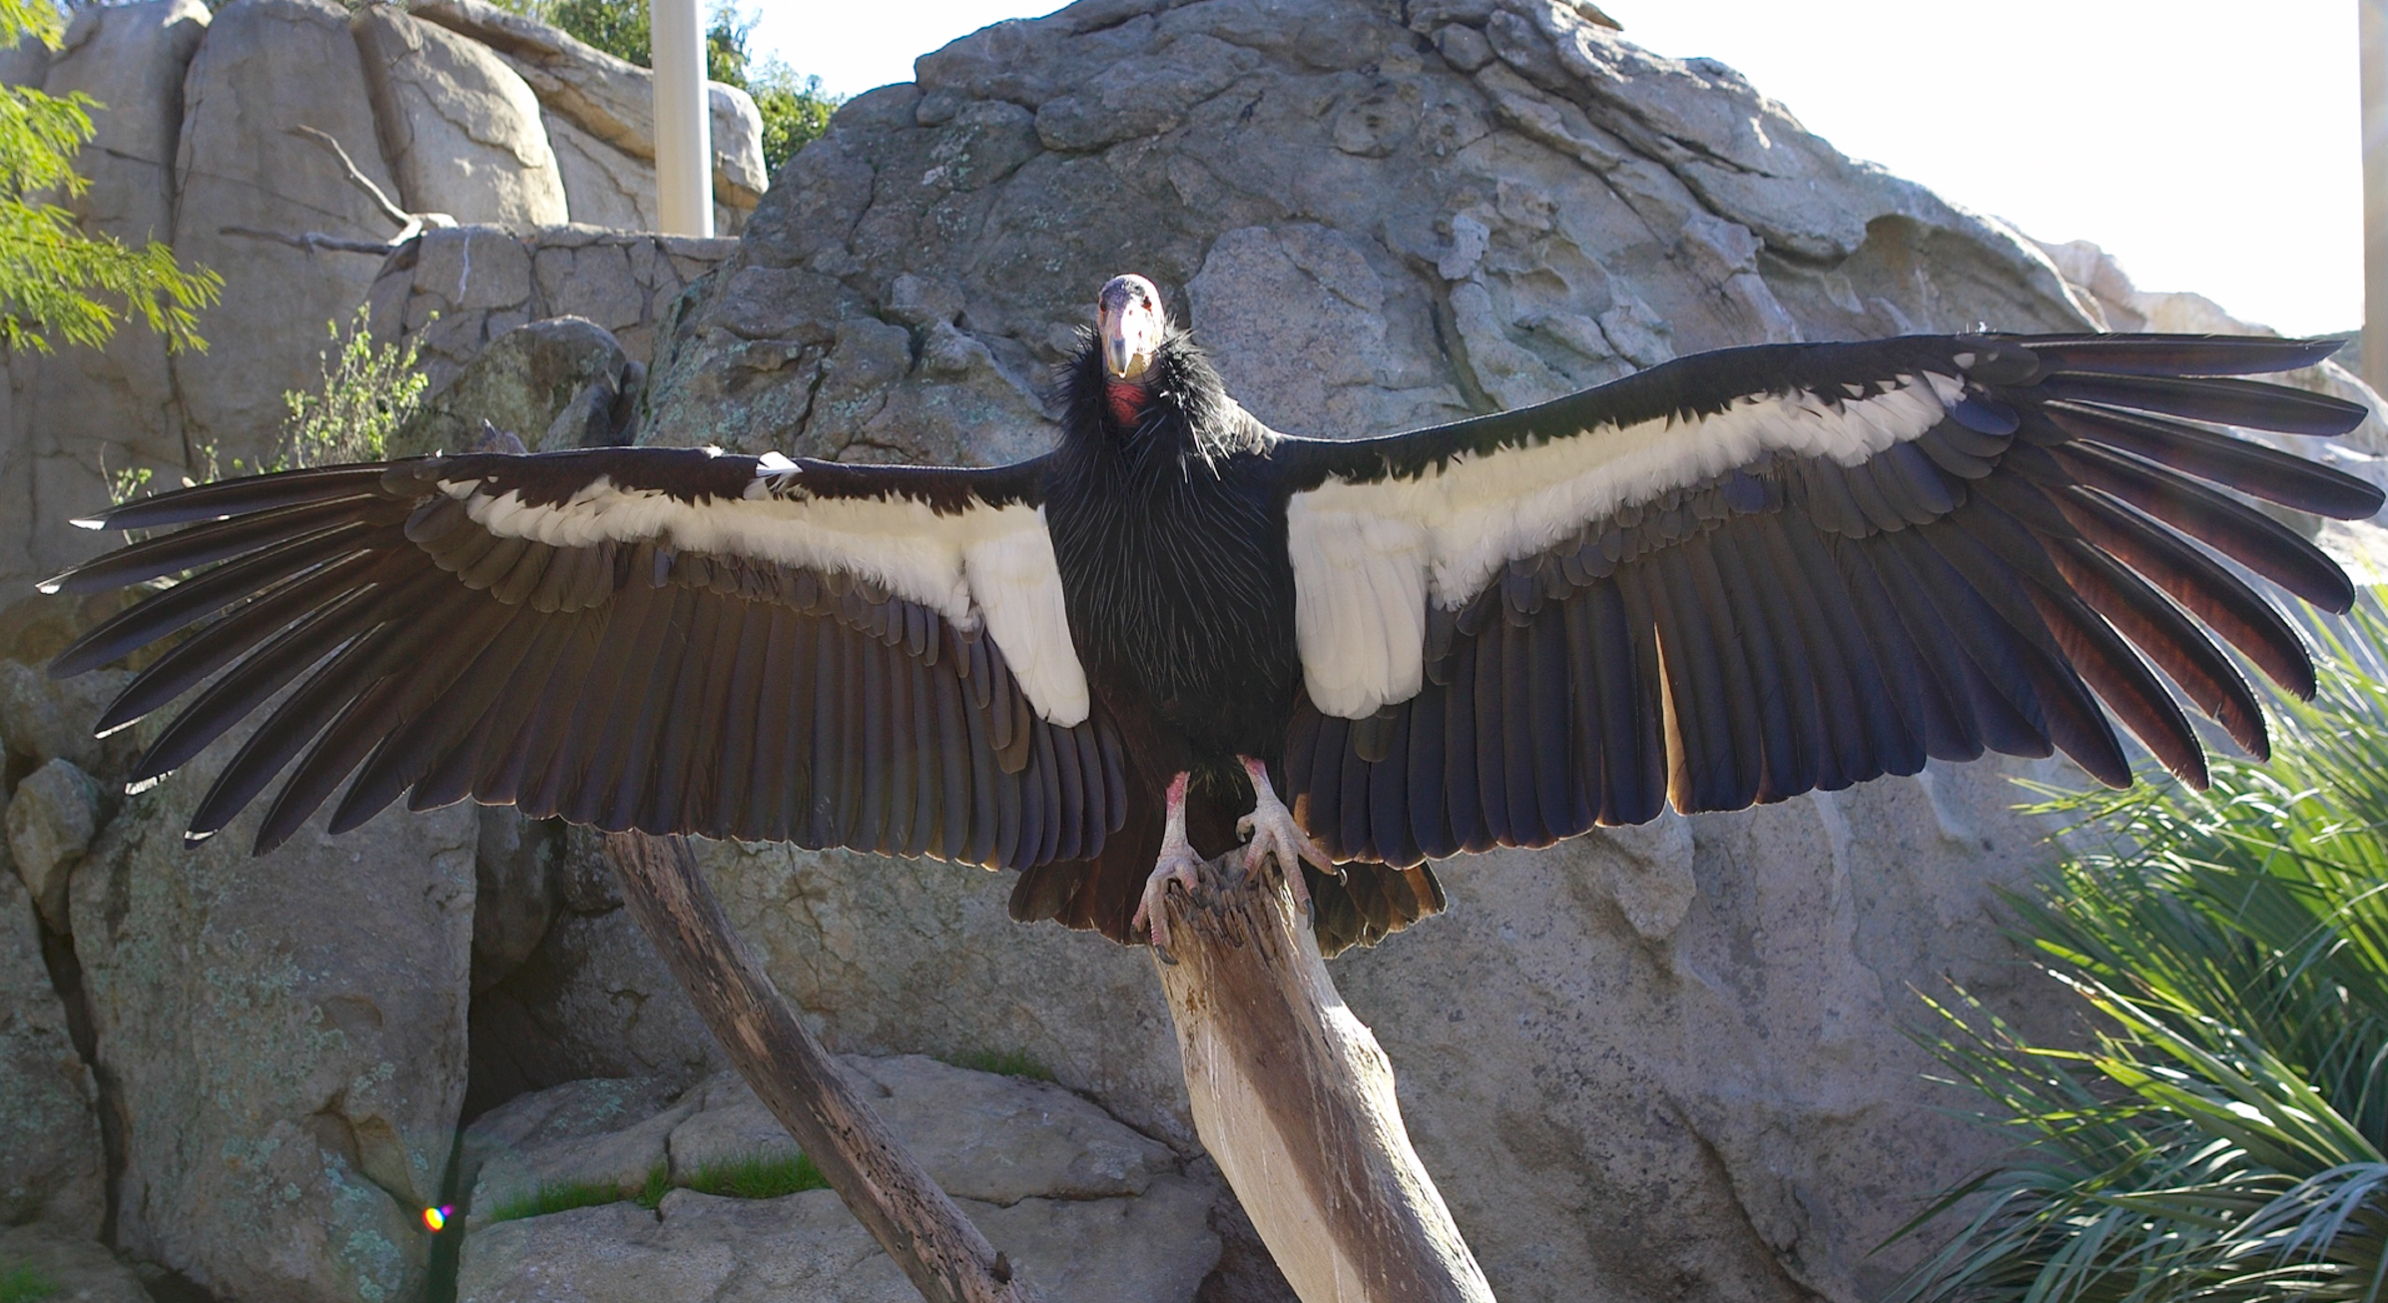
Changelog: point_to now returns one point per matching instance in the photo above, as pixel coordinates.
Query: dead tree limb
(946, 1257)
(356, 177)
(409, 224)
(1294, 1098)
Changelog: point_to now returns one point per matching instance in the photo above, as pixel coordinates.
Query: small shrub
(24, 1283)
(369, 389)
(751, 1176)
(1005, 1063)
(658, 1184)
(795, 110)
(564, 1196)
(2224, 1137)
(758, 1176)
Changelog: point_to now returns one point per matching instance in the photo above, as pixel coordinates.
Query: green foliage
(369, 389)
(751, 1176)
(1007, 1063)
(125, 483)
(758, 1176)
(564, 1196)
(25, 1283)
(657, 1185)
(50, 271)
(618, 27)
(794, 109)
(2223, 1137)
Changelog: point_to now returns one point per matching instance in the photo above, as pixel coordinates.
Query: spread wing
(1748, 574)
(671, 640)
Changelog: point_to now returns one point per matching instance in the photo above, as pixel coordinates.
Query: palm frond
(2223, 1137)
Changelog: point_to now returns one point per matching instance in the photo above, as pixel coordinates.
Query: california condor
(1729, 579)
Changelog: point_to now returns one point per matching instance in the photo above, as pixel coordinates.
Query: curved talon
(1178, 863)
(1274, 833)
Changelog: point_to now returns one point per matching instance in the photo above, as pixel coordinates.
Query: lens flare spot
(435, 1219)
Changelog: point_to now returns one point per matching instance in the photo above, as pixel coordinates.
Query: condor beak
(1129, 341)
(1130, 331)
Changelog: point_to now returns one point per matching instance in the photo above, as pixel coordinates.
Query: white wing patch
(988, 565)
(1368, 556)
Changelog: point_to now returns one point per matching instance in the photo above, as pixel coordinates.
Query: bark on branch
(409, 224)
(888, 1191)
(1294, 1098)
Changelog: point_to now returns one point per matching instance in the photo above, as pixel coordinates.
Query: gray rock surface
(983, 1136)
(514, 891)
(904, 956)
(562, 382)
(52, 817)
(44, 719)
(1664, 1063)
(1089, 1209)
(81, 1270)
(593, 1000)
(461, 130)
(195, 145)
(456, 290)
(805, 1248)
(284, 1037)
(51, 1167)
(612, 104)
(69, 417)
(266, 66)
(582, 1132)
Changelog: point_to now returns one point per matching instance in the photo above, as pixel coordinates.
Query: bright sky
(2209, 146)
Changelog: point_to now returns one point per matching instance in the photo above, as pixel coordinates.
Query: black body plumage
(1170, 536)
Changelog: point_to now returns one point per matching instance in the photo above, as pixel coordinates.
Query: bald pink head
(1129, 325)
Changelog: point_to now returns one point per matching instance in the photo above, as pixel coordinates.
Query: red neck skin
(1126, 399)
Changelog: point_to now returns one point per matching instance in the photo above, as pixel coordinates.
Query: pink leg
(1177, 864)
(1276, 836)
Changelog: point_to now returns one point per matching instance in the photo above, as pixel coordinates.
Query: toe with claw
(1178, 864)
(1275, 835)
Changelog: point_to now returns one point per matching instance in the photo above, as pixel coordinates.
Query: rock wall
(1668, 1063)
(453, 108)
(1657, 1063)
(455, 290)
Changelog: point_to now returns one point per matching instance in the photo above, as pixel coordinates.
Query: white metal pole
(683, 128)
(2372, 38)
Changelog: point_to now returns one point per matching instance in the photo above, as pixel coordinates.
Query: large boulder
(1091, 1210)
(1664, 1062)
(79, 1267)
(51, 1169)
(51, 820)
(283, 1037)
(593, 999)
(76, 416)
(456, 290)
(248, 183)
(461, 130)
(561, 382)
(608, 106)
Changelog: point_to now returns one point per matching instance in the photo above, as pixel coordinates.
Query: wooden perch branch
(1295, 1100)
(888, 1191)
